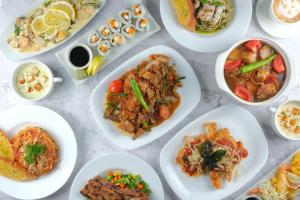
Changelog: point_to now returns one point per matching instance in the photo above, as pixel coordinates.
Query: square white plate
(243, 126)
(190, 95)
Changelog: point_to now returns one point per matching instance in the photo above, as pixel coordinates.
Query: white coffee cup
(88, 49)
(278, 20)
(51, 79)
(276, 127)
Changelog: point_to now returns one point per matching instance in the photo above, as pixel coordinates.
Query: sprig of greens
(17, 30)
(32, 151)
(215, 2)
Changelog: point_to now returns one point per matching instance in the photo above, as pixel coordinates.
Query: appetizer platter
(281, 183)
(38, 152)
(45, 25)
(234, 143)
(206, 26)
(114, 36)
(134, 112)
(133, 179)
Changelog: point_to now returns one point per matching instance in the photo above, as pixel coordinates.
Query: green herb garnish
(138, 93)
(210, 162)
(119, 94)
(32, 151)
(218, 3)
(17, 30)
(114, 106)
(256, 65)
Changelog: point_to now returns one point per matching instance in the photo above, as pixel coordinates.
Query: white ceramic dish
(123, 162)
(208, 43)
(270, 25)
(52, 79)
(243, 126)
(290, 64)
(15, 118)
(190, 95)
(268, 176)
(13, 55)
(115, 52)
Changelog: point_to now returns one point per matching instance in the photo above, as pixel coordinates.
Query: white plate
(123, 162)
(243, 126)
(272, 27)
(14, 55)
(190, 95)
(268, 176)
(208, 43)
(19, 117)
(116, 52)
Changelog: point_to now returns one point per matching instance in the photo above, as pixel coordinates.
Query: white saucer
(272, 27)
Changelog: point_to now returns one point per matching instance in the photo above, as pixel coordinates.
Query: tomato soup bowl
(290, 76)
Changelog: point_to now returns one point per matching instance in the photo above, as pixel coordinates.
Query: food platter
(190, 85)
(13, 55)
(61, 132)
(241, 124)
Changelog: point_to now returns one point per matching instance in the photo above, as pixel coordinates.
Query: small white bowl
(52, 80)
(289, 64)
(275, 125)
(89, 52)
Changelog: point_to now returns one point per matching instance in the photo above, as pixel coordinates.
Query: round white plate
(15, 118)
(244, 127)
(208, 43)
(123, 162)
(270, 26)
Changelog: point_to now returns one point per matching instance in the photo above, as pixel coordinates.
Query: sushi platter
(113, 37)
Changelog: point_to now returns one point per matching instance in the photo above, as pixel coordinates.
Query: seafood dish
(116, 186)
(50, 24)
(125, 16)
(138, 10)
(283, 183)
(254, 71)
(214, 153)
(117, 39)
(144, 97)
(31, 153)
(203, 16)
(94, 39)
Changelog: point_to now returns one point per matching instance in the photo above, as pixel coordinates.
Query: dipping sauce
(79, 56)
(32, 81)
(288, 118)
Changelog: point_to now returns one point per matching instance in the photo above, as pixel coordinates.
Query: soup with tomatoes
(254, 71)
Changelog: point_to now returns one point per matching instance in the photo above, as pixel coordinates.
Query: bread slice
(185, 12)
(15, 171)
(6, 149)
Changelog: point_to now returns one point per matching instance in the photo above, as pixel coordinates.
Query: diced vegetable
(164, 112)
(243, 93)
(278, 64)
(273, 78)
(116, 86)
(254, 66)
(232, 64)
(253, 45)
(138, 93)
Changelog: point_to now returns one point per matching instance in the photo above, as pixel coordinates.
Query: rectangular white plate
(14, 55)
(116, 51)
(190, 95)
(269, 175)
(244, 127)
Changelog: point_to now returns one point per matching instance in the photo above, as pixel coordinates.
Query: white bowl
(290, 78)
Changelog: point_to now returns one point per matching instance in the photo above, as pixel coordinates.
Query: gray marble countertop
(72, 102)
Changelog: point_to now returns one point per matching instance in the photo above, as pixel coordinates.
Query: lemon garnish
(55, 18)
(38, 26)
(65, 7)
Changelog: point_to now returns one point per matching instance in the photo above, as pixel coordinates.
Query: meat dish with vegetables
(116, 186)
(255, 71)
(214, 152)
(145, 96)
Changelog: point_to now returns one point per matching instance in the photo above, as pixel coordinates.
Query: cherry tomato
(278, 64)
(243, 93)
(253, 45)
(243, 153)
(273, 78)
(116, 86)
(232, 64)
(225, 142)
(164, 112)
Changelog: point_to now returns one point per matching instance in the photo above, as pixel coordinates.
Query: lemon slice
(95, 65)
(51, 33)
(65, 7)
(55, 18)
(38, 26)
(293, 178)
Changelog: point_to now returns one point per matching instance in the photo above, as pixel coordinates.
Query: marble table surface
(72, 102)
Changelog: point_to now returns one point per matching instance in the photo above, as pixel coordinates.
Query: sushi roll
(94, 39)
(104, 48)
(128, 31)
(125, 16)
(117, 39)
(138, 10)
(142, 24)
(114, 25)
(104, 32)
